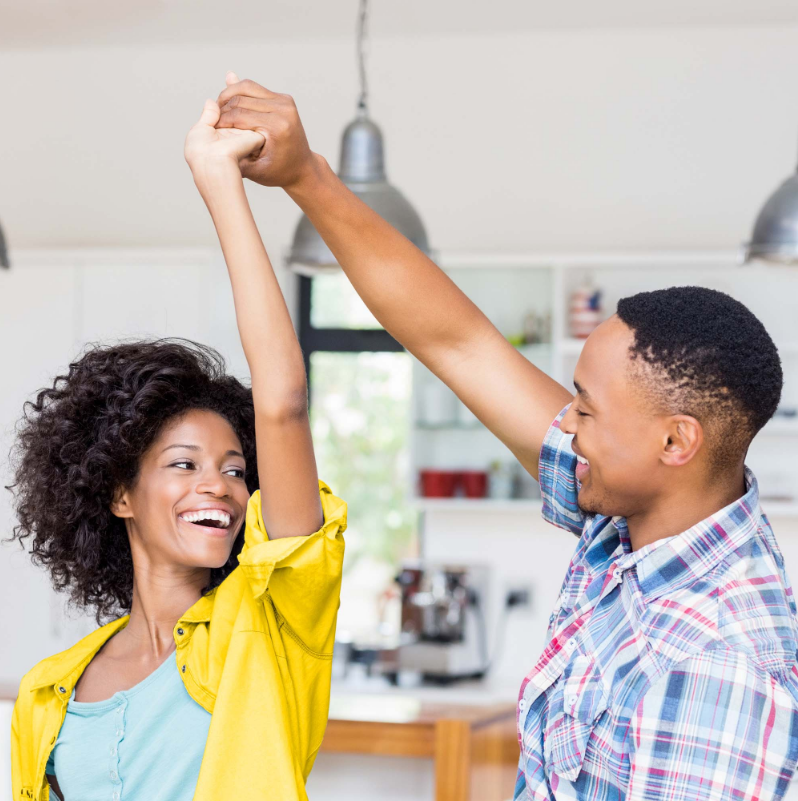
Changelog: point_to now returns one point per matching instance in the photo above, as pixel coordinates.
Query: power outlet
(518, 597)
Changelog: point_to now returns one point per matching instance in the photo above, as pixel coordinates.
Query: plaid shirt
(670, 672)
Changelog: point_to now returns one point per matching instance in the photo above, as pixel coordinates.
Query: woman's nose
(212, 482)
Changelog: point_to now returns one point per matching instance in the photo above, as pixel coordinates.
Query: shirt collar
(676, 562)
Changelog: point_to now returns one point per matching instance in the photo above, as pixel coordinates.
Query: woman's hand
(205, 144)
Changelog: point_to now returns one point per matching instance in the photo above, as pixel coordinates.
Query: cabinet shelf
(478, 504)
(494, 505)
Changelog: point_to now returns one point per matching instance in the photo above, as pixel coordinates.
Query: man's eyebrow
(197, 448)
(582, 391)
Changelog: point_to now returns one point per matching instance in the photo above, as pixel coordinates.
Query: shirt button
(572, 701)
(180, 632)
(522, 704)
(114, 776)
(570, 645)
(62, 689)
(120, 732)
(113, 750)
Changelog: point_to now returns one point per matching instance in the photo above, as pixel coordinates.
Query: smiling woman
(184, 506)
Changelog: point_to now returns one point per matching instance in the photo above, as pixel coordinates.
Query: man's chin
(589, 504)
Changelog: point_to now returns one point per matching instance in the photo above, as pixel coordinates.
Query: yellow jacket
(256, 653)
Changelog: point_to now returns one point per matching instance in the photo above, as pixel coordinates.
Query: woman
(137, 482)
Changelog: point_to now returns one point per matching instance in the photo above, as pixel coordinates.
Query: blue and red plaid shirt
(670, 672)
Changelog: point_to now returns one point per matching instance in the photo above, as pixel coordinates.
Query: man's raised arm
(413, 299)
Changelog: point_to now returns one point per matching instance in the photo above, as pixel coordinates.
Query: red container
(438, 483)
(474, 483)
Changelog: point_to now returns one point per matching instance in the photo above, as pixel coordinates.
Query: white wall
(575, 141)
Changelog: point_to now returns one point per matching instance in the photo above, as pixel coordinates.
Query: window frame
(336, 340)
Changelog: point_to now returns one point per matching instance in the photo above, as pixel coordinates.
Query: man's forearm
(410, 295)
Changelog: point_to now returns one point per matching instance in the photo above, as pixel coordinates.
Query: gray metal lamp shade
(363, 171)
(3, 251)
(775, 237)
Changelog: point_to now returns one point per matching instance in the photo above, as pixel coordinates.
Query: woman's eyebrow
(187, 447)
(197, 448)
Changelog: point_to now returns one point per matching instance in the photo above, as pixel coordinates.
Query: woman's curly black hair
(83, 438)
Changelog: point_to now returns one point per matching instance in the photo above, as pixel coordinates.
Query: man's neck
(681, 510)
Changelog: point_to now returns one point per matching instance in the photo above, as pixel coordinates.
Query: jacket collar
(669, 565)
(63, 670)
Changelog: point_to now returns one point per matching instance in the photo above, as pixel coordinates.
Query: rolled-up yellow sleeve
(301, 575)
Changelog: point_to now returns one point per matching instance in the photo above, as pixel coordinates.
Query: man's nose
(568, 422)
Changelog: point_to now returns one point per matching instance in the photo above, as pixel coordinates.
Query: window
(360, 382)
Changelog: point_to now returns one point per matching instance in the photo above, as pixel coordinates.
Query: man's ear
(683, 440)
(120, 505)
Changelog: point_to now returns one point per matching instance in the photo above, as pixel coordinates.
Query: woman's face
(190, 497)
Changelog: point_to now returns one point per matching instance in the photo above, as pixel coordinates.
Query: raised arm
(411, 297)
(286, 462)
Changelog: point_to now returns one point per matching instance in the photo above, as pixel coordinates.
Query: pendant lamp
(4, 262)
(775, 236)
(362, 169)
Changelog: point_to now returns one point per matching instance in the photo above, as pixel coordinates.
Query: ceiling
(46, 23)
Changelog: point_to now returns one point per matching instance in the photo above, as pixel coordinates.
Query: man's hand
(285, 158)
(205, 144)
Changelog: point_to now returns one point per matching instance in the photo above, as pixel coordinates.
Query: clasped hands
(256, 129)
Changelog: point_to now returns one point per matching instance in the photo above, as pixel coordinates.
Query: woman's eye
(176, 464)
(238, 471)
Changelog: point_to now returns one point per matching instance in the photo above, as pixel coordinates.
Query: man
(670, 670)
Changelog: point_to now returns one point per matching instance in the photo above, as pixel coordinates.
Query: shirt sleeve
(300, 575)
(557, 476)
(715, 726)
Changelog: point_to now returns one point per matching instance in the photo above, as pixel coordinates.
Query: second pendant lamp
(362, 169)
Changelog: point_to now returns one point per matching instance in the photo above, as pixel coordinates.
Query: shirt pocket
(577, 702)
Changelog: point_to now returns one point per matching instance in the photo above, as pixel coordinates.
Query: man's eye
(582, 414)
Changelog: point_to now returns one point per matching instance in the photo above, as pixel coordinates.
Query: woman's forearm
(286, 463)
(264, 323)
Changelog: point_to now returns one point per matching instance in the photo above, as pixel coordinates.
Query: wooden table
(474, 748)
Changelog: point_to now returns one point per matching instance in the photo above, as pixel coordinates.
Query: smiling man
(670, 668)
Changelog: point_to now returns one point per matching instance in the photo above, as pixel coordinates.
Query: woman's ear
(684, 439)
(120, 505)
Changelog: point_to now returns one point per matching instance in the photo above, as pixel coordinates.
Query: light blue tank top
(142, 744)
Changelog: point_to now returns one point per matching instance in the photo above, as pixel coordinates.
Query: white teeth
(581, 459)
(207, 514)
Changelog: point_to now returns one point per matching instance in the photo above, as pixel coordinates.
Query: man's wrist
(316, 173)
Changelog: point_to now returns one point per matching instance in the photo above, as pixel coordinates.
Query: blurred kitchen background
(558, 156)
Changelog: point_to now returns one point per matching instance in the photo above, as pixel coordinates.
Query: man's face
(615, 429)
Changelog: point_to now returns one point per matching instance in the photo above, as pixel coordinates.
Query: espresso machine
(444, 630)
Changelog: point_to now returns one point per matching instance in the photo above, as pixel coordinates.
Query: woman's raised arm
(286, 462)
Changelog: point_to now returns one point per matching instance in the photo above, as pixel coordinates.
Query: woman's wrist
(213, 174)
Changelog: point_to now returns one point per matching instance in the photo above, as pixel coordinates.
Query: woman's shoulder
(55, 668)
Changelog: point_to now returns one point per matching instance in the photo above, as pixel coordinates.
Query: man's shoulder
(744, 604)
(756, 608)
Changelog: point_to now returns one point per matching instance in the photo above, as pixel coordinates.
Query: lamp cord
(362, 32)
